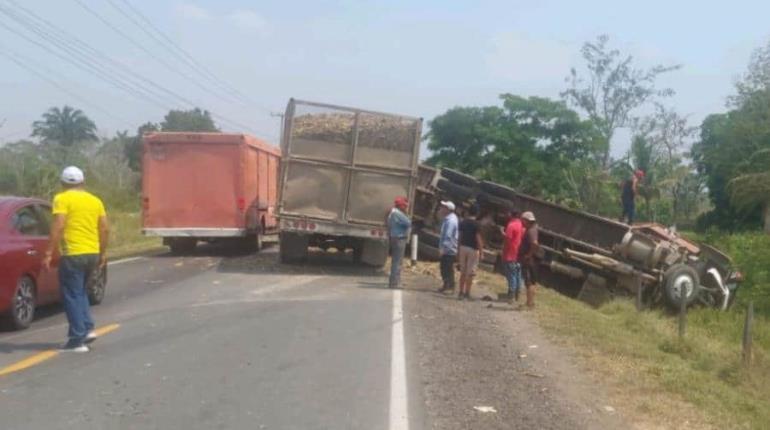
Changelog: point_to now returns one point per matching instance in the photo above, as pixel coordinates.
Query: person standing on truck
(80, 227)
(399, 225)
(513, 233)
(528, 255)
(629, 189)
(471, 249)
(448, 244)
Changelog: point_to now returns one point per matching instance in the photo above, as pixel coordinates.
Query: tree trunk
(766, 216)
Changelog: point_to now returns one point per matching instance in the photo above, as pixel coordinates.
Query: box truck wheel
(182, 245)
(293, 247)
(374, 253)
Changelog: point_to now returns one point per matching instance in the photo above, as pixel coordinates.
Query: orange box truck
(208, 187)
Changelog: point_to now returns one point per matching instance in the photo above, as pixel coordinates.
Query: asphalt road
(208, 342)
(242, 342)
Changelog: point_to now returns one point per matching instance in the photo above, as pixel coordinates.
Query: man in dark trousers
(528, 255)
(512, 235)
(629, 189)
(470, 252)
(448, 244)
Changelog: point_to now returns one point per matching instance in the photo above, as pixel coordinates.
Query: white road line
(399, 413)
(125, 260)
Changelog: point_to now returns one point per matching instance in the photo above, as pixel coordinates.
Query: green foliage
(612, 89)
(66, 126)
(529, 143)
(188, 120)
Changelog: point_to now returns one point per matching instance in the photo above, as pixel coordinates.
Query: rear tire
(459, 178)
(22, 311)
(182, 245)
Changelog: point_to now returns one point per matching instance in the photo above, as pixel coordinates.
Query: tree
(188, 120)
(752, 188)
(612, 89)
(65, 127)
(756, 79)
(133, 147)
(528, 143)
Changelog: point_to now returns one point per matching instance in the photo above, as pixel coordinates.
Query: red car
(24, 284)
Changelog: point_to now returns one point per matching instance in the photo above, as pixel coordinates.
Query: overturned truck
(582, 255)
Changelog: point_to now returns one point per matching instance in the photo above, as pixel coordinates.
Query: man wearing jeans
(510, 255)
(448, 244)
(80, 227)
(398, 232)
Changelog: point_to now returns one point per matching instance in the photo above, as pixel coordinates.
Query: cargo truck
(208, 187)
(340, 172)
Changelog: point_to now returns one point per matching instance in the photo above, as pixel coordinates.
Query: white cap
(529, 216)
(72, 176)
(449, 205)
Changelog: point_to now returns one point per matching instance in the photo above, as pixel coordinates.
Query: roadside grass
(658, 380)
(126, 236)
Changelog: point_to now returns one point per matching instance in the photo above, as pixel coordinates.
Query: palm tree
(753, 187)
(66, 127)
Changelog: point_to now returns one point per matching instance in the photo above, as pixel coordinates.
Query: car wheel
(23, 305)
(97, 286)
(678, 277)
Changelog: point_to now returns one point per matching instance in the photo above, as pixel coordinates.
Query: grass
(126, 236)
(658, 380)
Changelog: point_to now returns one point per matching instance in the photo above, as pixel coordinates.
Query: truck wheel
(676, 278)
(459, 178)
(428, 238)
(97, 286)
(427, 252)
(374, 253)
(455, 192)
(182, 245)
(498, 190)
(293, 247)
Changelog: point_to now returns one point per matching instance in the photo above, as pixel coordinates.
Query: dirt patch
(483, 354)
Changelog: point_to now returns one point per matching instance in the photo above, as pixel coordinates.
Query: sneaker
(73, 346)
(90, 337)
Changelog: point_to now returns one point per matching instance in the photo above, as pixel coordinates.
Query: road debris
(609, 409)
(534, 375)
(522, 355)
(485, 409)
(532, 346)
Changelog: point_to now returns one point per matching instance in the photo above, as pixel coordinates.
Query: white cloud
(192, 12)
(248, 21)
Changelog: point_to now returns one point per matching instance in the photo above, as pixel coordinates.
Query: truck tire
(458, 193)
(293, 247)
(182, 245)
(374, 253)
(459, 178)
(428, 238)
(498, 203)
(428, 253)
(498, 190)
(677, 277)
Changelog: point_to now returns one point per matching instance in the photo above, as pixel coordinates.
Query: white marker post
(414, 249)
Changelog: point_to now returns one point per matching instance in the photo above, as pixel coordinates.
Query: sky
(416, 58)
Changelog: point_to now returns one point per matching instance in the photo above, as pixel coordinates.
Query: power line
(117, 76)
(157, 58)
(24, 63)
(180, 52)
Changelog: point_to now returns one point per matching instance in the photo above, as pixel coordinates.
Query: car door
(31, 232)
(50, 279)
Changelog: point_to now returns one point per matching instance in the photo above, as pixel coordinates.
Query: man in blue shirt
(448, 244)
(398, 232)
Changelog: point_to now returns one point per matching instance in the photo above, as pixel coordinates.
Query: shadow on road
(318, 263)
(8, 348)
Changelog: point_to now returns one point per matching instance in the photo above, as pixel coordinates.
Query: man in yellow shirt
(80, 228)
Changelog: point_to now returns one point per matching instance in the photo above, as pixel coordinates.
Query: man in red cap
(629, 190)
(399, 225)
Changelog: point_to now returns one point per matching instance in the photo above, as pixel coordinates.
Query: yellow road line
(47, 355)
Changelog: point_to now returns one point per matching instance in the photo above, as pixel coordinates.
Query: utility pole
(281, 115)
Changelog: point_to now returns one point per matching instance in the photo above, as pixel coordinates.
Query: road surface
(223, 342)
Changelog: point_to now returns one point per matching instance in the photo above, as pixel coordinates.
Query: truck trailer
(341, 170)
(208, 187)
